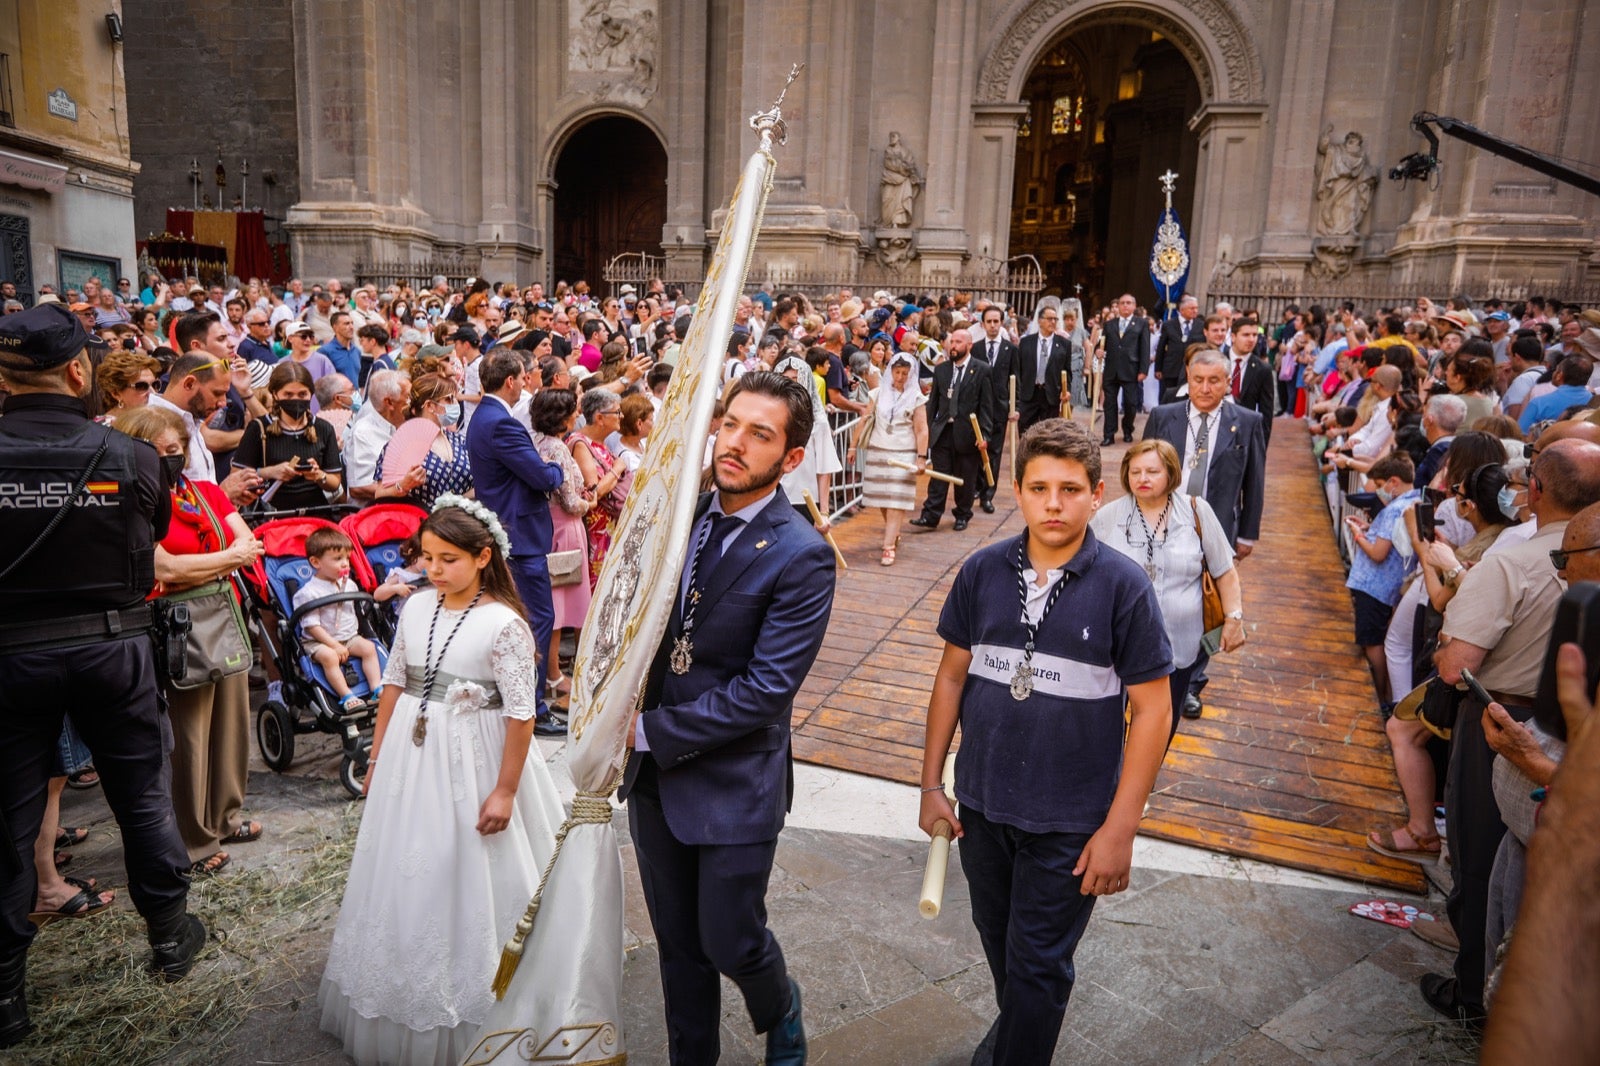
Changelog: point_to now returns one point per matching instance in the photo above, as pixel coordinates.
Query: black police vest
(102, 554)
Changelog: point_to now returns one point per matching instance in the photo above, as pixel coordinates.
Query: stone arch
(563, 129)
(1210, 33)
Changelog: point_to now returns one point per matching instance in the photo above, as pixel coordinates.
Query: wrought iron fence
(1271, 296)
(456, 271)
(1015, 282)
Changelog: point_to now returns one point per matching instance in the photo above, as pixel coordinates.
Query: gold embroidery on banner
(563, 1046)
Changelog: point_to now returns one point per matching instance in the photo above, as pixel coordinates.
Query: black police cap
(43, 338)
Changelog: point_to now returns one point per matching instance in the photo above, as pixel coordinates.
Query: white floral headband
(482, 514)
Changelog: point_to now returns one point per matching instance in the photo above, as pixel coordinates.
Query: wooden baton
(816, 516)
(988, 471)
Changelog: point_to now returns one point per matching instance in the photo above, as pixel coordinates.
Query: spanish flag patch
(102, 488)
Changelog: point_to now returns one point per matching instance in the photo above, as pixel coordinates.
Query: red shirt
(190, 532)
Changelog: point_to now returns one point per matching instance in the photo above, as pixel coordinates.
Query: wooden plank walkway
(1289, 765)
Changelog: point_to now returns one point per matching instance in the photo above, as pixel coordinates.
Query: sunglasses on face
(140, 386)
(1560, 557)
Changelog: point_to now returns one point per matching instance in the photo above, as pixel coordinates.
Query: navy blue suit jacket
(719, 734)
(510, 478)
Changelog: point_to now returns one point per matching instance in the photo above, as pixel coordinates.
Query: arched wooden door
(610, 197)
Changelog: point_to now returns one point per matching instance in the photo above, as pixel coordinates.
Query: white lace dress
(429, 901)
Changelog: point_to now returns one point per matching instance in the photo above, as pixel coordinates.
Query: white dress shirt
(202, 464)
(1186, 453)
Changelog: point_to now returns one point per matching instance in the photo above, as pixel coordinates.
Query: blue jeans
(1030, 917)
(532, 575)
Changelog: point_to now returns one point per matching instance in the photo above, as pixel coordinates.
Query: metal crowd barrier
(845, 491)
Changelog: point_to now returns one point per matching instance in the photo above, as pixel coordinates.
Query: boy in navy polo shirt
(1048, 637)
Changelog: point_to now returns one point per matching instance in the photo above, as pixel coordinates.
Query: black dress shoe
(786, 1041)
(1443, 993)
(923, 522)
(1106, 442)
(1127, 438)
(172, 957)
(1191, 706)
(549, 726)
(988, 506)
(961, 523)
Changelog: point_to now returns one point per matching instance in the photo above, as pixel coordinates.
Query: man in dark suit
(711, 774)
(1127, 347)
(1176, 335)
(1041, 357)
(997, 350)
(1223, 454)
(1250, 381)
(513, 480)
(961, 389)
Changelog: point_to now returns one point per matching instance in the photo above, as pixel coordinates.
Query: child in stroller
(331, 634)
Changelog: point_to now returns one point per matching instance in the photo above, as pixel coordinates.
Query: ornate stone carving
(611, 49)
(1345, 181)
(897, 189)
(1242, 65)
(894, 248)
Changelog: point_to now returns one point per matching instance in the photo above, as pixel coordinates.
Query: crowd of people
(1459, 447)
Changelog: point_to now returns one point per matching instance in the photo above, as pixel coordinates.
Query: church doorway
(1108, 110)
(610, 197)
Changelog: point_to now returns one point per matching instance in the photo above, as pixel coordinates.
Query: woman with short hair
(553, 413)
(604, 477)
(126, 380)
(205, 544)
(1173, 536)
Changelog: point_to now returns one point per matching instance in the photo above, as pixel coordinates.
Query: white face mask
(1507, 499)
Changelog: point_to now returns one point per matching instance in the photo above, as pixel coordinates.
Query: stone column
(348, 168)
(1297, 120)
(990, 166)
(683, 240)
(943, 243)
(1227, 211)
(506, 235)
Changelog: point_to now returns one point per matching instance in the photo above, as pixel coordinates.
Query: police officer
(81, 508)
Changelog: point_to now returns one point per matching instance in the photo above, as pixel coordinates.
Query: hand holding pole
(988, 470)
(816, 516)
(932, 900)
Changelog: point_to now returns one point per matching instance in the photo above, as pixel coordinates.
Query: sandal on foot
(62, 858)
(888, 557)
(67, 837)
(352, 704)
(209, 865)
(1424, 850)
(81, 905)
(246, 832)
(85, 778)
(86, 884)
(559, 686)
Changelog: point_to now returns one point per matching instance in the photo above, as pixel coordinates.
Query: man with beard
(709, 779)
(209, 380)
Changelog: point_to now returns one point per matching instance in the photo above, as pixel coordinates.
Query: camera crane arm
(1425, 164)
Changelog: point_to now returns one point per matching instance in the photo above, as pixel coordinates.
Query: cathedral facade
(933, 139)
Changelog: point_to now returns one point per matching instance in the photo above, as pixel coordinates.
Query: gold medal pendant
(419, 732)
(682, 656)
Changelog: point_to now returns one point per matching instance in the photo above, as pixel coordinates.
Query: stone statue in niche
(612, 48)
(1345, 182)
(898, 189)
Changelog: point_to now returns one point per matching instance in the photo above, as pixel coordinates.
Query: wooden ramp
(1289, 765)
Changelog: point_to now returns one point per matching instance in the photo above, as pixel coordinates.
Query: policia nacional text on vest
(81, 509)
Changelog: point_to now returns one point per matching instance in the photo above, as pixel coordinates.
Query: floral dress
(444, 476)
(429, 900)
(601, 519)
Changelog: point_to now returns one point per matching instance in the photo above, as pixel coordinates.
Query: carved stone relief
(612, 48)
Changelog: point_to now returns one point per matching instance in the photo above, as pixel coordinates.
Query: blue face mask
(1507, 499)
(355, 403)
(1384, 495)
(451, 415)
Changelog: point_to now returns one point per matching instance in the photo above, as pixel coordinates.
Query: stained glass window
(1066, 114)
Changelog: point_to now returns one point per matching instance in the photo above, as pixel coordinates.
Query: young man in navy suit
(711, 774)
(512, 479)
